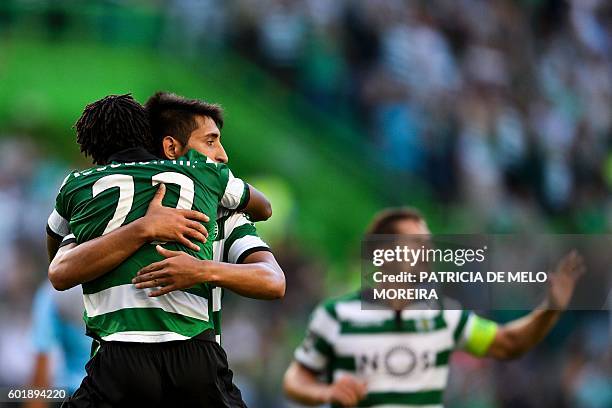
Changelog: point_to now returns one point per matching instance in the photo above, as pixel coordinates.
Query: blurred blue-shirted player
(57, 325)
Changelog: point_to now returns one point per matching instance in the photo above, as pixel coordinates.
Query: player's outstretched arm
(258, 207)
(302, 385)
(258, 277)
(77, 264)
(519, 336)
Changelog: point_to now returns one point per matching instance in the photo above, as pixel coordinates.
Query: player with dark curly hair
(145, 338)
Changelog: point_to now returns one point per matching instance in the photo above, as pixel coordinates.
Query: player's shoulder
(331, 305)
(199, 160)
(75, 178)
(203, 168)
(454, 314)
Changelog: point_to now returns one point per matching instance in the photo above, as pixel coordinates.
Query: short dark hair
(384, 221)
(174, 115)
(112, 124)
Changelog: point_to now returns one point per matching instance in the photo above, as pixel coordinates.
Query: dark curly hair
(112, 124)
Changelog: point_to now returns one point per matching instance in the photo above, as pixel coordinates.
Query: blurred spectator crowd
(505, 105)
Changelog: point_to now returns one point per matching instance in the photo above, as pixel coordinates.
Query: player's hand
(178, 271)
(167, 224)
(347, 391)
(563, 280)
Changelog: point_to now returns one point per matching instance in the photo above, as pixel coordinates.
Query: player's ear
(171, 147)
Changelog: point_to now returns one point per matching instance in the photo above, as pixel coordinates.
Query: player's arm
(40, 379)
(302, 381)
(517, 337)
(76, 264)
(53, 245)
(44, 338)
(258, 277)
(258, 207)
(58, 227)
(303, 386)
(58, 224)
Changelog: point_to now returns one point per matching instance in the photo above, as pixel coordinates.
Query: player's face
(206, 139)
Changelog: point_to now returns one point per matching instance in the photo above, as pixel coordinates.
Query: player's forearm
(53, 245)
(92, 259)
(519, 336)
(40, 379)
(259, 280)
(303, 387)
(258, 207)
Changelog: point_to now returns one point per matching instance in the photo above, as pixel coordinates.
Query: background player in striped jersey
(399, 358)
(202, 378)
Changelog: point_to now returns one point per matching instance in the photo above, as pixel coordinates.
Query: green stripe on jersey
(322, 345)
(237, 233)
(462, 321)
(144, 319)
(433, 397)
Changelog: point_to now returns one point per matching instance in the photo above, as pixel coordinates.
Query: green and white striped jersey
(403, 356)
(235, 239)
(96, 201)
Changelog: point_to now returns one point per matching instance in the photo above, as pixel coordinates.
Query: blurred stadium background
(489, 116)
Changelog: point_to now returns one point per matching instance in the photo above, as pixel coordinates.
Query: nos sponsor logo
(398, 361)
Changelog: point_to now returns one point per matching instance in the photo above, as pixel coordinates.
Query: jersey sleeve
(68, 239)
(233, 193)
(317, 349)
(471, 332)
(58, 223)
(236, 192)
(241, 239)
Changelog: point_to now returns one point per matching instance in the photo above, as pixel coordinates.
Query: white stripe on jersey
(144, 336)
(58, 224)
(352, 311)
(216, 298)
(325, 326)
(311, 358)
(233, 192)
(467, 330)
(433, 378)
(242, 245)
(127, 297)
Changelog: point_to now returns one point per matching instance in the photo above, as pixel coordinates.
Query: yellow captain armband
(480, 334)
